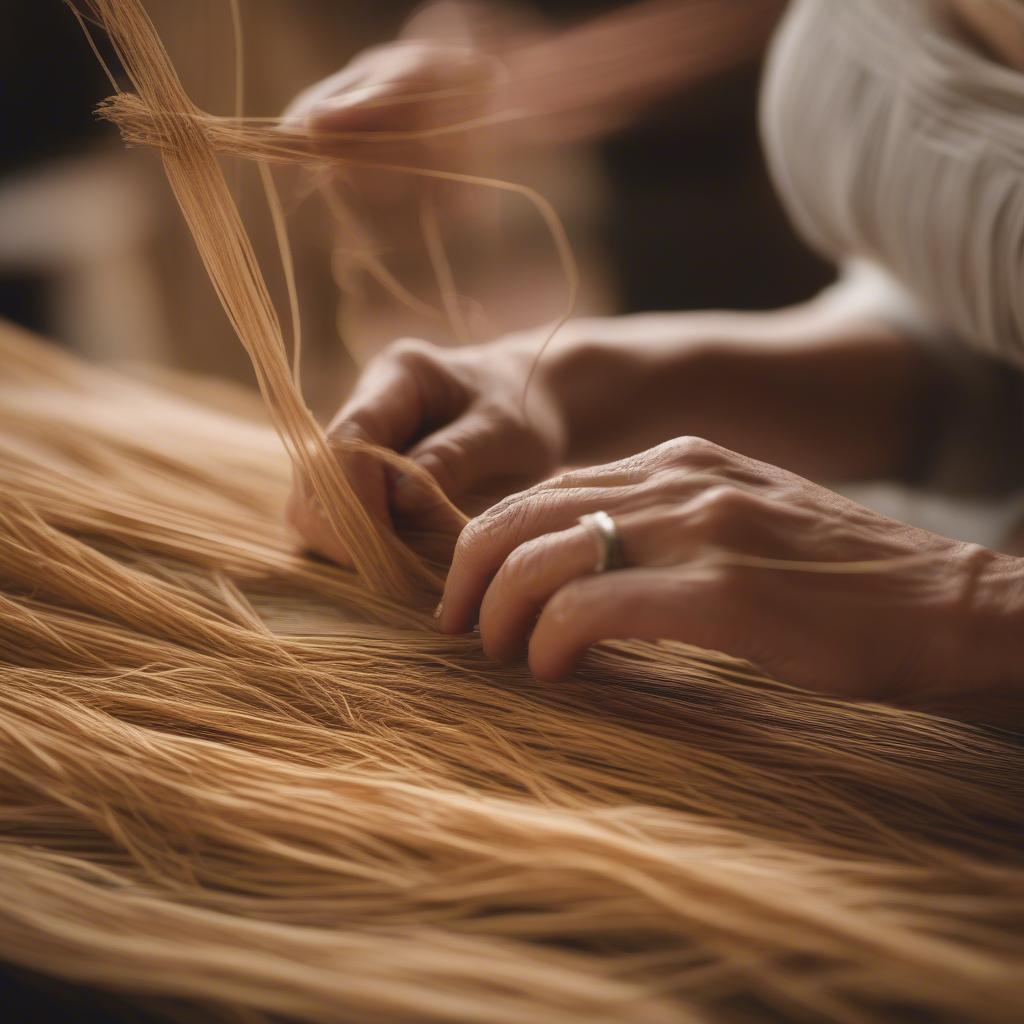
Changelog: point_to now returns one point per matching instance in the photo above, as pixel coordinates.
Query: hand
(400, 90)
(727, 553)
(459, 414)
(825, 400)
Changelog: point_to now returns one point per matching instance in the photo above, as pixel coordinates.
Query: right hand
(403, 88)
(459, 414)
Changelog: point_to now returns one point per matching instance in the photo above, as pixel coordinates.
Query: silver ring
(609, 541)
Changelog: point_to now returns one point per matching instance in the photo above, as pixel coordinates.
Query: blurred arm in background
(542, 89)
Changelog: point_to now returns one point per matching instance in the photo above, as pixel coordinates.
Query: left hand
(713, 544)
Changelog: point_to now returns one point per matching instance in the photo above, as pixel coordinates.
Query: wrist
(990, 665)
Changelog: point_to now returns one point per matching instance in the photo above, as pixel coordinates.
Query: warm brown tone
(234, 775)
(266, 785)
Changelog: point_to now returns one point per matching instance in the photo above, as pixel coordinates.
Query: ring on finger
(603, 528)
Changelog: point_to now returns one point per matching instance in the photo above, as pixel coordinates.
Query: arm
(829, 397)
(591, 79)
(820, 390)
(569, 86)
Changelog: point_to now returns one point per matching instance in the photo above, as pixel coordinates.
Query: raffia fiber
(236, 777)
(241, 784)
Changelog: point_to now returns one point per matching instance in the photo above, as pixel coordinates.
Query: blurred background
(669, 208)
(672, 211)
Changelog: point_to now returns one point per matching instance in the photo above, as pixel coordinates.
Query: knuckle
(445, 453)
(446, 461)
(500, 415)
(497, 529)
(564, 606)
(351, 430)
(726, 501)
(717, 512)
(568, 480)
(690, 451)
(526, 560)
(474, 533)
(472, 544)
(410, 352)
(495, 421)
(487, 530)
(510, 507)
(372, 54)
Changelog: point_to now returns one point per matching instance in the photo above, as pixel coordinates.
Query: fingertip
(550, 657)
(501, 650)
(449, 622)
(548, 671)
(557, 642)
(466, 584)
(456, 618)
(501, 641)
(312, 531)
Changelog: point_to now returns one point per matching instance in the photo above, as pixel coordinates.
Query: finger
(397, 396)
(386, 405)
(368, 476)
(553, 505)
(403, 88)
(489, 539)
(644, 604)
(385, 408)
(538, 569)
(625, 472)
(378, 107)
(470, 451)
(305, 516)
(671, 533)
(348, 78)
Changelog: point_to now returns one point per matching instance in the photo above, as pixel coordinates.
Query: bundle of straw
(239, 784)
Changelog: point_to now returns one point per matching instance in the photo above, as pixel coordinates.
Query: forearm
(587, 81)
(831, 400)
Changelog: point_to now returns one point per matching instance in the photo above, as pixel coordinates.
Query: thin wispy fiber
(241, 784)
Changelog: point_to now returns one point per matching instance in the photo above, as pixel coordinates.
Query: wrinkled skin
(898, 617)
(872, 608)
(457, 413)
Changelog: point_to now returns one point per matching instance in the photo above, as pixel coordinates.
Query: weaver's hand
(401, 104)
(459, 414)
(735, 555)
(827, 401)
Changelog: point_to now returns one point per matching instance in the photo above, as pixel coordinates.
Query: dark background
(693, 223)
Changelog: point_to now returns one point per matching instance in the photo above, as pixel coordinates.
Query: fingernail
(439, 609)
